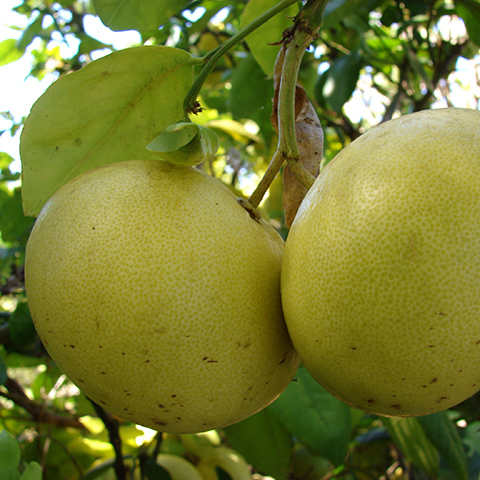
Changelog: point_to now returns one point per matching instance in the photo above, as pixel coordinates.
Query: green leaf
(445, 438)
(469, 10)
(14, 226)
(21, 329)
(185, 143)
(32, 472)
(337, 10)
(260, 41)
(137, 15)
(314, 416)
(247, 102)
(104, 113)
(410, 437)
(264, 443)
(9, 452)
(337, 84)
(156, 472)
(9, 52)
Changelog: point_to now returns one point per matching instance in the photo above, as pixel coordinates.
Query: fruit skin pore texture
(381, 270)
(159, 296)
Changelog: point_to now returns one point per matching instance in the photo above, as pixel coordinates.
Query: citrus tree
(261, 95)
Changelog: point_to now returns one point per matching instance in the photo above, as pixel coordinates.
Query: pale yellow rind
(381, 272)
(159, 296)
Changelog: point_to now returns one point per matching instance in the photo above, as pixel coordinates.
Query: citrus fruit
(381, 271)
(159, 296)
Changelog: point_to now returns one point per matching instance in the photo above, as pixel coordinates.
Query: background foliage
(373, 60)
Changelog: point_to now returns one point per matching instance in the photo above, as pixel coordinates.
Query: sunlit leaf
(262, 39)
(32, 472)
(314, 416)
(137, 14)
(269, 449)
(9, 52)
(106, 112)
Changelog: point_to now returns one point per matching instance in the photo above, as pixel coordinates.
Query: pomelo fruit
(159, 296)
(381, 271)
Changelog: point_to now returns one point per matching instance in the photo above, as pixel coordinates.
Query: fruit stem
(190, 103)
(296, 40)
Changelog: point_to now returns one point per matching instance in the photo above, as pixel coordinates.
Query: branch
(114, 435)
(38, 412)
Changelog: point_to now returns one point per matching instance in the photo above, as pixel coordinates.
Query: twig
(38, 412)
(114, 435)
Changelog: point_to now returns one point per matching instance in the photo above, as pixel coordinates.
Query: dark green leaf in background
(137, 14)
(3, 372)
(21, 329)
(315, 417)
(445, 438)
(336, 85)
(264, 443)
(410, 437)
(469, 10)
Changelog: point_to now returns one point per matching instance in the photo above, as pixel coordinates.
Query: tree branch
(38, 412)
(114, 435)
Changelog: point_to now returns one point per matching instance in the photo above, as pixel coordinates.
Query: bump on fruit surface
(159, 296)
(381, 272)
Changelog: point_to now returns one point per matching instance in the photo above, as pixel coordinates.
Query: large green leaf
(260, 41)
(137, 14)
(445, 438)
(410, 437)
(106, 112)
(315, 417)
(263, 442)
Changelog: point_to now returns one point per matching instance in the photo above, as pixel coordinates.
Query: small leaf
(32, 472)
(137, 15)
(185, 143)
(9, 52)
(106, 112)
(262, 39)
(315, 417)
(409, 436)
(156, 472)
(264, 443)
(10, 452)
(445, 438)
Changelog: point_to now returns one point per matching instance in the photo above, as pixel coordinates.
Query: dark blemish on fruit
(103, 373)
(396, 407)
(204, 358)
(353, 348)
(160, 405)
(102, 402)
(123, 353)
(174, 395)
(100, 346)
(434, 380)
(72, 346)
(212, 361)
(431, 346)
(441, 399)
(179, 418)
(156, 421)
(283, 361)
(424, 386)
(394, 396)
(477, 342)
(371, 401)
(80, 380)
(147, 361)
(461, 370)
